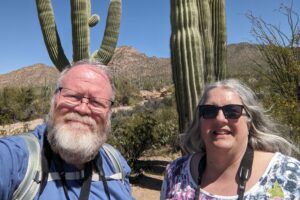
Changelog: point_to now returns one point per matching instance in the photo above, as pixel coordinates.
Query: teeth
(219, 132)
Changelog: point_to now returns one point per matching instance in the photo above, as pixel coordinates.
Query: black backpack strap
(245, 170)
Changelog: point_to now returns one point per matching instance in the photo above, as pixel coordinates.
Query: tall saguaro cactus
(82, 20)
(219, 37)
(198, 51)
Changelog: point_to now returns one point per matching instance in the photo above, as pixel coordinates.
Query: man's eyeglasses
(230, 111)
(74, 98)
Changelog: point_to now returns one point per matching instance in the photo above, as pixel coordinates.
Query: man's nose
(83, 107)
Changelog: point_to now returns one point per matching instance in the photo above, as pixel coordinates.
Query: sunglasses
(230, 111)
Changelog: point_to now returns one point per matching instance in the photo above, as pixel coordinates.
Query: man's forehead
(86, 71)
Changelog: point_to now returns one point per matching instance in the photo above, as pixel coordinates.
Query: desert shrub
(133, 135)
(154, 83)
(147, 127)
(166, 131)
(42, 101)
(15, 104)
(22, 104)
(127, 92)
(287, 113)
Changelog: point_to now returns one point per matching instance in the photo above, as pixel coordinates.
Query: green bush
(22, 104)
(132, 136)
(127, 92)
(287, 113)
(147, 127)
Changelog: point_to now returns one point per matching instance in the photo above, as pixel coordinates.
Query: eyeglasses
(74, 98)
(230, 111)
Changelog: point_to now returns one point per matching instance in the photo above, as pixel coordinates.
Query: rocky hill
(129, 63)
(34, 75)
(241, 58)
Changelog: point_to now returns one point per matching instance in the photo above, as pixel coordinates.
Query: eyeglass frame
(81, 97)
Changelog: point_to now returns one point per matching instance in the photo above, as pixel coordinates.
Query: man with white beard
(71, 141)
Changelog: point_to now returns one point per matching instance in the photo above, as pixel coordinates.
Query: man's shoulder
(14, 148)
(39, 132)
(114, 161)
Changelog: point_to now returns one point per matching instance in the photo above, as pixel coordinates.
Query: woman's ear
(249, 120)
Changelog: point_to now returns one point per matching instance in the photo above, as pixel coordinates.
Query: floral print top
(281, 180)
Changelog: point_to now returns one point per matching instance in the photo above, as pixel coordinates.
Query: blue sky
(145, 26)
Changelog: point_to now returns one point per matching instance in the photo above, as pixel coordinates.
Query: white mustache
(83, 119)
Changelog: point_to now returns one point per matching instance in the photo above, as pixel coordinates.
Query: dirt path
(147, 187)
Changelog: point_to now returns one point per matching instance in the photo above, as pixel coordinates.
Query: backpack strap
(29, 186)
(113, 156)
(115, 159)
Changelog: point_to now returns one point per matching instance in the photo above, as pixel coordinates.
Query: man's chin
(75, 143)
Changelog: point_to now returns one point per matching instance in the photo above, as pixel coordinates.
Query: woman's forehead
(223, 94)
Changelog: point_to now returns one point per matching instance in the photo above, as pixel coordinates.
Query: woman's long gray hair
(263, 134)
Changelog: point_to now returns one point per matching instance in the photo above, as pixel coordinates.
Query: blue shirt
(13, 166)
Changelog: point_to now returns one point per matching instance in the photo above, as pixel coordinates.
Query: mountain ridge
(128, 63)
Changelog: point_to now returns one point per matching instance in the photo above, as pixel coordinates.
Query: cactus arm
(187, 63)
(50, 34)
(93, 21)
(80, 29)
(111, 34)
(220, 37)
(205, 28)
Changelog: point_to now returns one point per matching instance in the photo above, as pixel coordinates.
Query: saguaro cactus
(198, 50)
(82, 20)
(219, 37)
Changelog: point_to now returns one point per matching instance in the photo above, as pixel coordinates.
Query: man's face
(80, 114)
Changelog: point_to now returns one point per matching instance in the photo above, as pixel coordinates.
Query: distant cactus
(82, 20)
(198, 50)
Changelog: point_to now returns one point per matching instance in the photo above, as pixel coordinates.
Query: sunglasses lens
(232, 111)
(208, 111)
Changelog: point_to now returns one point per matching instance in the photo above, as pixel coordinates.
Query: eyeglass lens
(230, 111)
(73, 98)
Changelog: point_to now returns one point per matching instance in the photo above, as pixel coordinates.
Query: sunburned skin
(80, 79)
(221, 134)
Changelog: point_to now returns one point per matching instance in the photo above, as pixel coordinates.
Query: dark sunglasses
(230, 111)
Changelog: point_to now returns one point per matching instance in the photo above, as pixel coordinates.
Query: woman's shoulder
(178, 165)
(285, 160)
(287, 164)
(284, 170)
(281, 177)
(278, 159)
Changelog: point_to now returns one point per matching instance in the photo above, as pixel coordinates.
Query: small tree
(281, 52)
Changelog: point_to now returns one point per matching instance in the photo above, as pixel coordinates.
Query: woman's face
(220, 133)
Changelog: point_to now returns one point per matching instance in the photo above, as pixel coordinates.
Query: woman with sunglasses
(234, 151)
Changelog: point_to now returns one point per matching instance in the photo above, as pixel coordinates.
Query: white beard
(75, 142)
